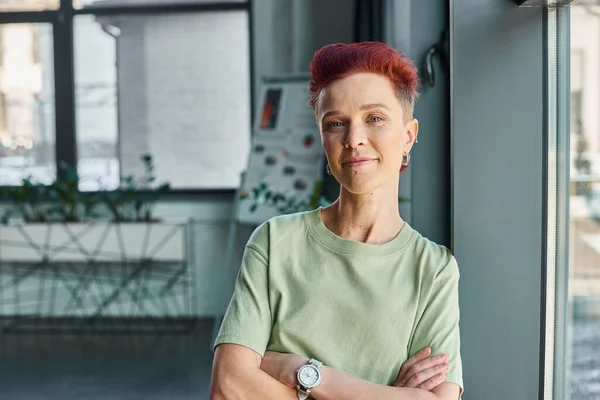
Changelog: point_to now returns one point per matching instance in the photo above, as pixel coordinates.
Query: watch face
(309, 376)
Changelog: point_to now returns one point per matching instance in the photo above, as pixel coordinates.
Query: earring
(406, 160)
(328, 169)
(416, 140)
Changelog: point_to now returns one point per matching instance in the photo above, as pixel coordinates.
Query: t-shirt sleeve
(247, 321)
(438, 326)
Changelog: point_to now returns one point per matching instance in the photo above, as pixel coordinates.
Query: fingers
(427, 377)
(419, 372)
(423, 370)
(433, 382)
(420, 356)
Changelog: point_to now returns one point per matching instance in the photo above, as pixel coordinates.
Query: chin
(359, 187)
(367, 184)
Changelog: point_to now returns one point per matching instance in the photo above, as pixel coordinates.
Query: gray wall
(288, 32)
(497, 194)
(413, 27)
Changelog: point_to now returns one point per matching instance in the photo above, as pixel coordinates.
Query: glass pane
(153, 84)
(128, 3)
(584, 241)
(27, 120)
(28, 5)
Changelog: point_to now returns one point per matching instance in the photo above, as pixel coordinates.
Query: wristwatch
(309, 376)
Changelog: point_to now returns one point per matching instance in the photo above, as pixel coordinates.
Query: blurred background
(584, 261)
(128, 130)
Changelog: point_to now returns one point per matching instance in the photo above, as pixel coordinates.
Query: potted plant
(59, 223)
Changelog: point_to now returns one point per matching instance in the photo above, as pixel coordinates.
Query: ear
(412, 131)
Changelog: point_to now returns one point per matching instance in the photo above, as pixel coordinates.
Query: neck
(368, 218)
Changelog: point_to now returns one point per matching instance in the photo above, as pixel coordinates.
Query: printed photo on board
(270, 110)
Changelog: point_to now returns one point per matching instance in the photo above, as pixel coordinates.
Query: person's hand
(422, 371)
(282, 366)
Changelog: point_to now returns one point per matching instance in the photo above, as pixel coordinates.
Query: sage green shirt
(360, 308)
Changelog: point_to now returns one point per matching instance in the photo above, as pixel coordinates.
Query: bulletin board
(285, 167)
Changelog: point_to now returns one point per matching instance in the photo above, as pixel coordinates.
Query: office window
(78, 4)
(577, 88)
(584, 212)
(96, 103)
(153, 84)
(165, 78)
(27, 138)
(28, 5)
(573, 302)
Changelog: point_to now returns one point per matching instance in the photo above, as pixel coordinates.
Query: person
(347, 301)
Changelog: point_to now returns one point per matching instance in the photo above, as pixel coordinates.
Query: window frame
(555, 341)
(64, 71)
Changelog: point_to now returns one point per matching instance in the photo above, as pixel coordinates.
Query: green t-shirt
(360, 308)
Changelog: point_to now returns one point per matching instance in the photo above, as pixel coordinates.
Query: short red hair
(339, 60)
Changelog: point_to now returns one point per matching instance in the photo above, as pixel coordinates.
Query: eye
(375, 118)
(334, 124)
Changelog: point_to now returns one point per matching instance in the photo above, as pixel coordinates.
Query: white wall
(184, 87)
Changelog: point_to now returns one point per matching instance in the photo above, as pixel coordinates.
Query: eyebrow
(362, 108)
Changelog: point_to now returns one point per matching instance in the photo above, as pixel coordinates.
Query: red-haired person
(348, 301)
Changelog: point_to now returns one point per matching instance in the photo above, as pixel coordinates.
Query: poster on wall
(286, 162)
(270, 108)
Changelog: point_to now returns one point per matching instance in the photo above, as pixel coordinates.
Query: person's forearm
(251, 384)
(336, 385)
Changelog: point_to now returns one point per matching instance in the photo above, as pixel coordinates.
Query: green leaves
(285, 203)
(136, 198)
(30, 201)
(62, 200)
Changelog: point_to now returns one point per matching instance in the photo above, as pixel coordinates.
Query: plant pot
(100, 241)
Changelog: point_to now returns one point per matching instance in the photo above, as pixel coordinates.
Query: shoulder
(438, 258)
(280, 229)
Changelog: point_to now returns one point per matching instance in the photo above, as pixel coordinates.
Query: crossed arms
(241, 374)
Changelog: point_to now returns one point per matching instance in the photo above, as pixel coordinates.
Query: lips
(358, 162)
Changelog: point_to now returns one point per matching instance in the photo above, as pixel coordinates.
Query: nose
(356, 136)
